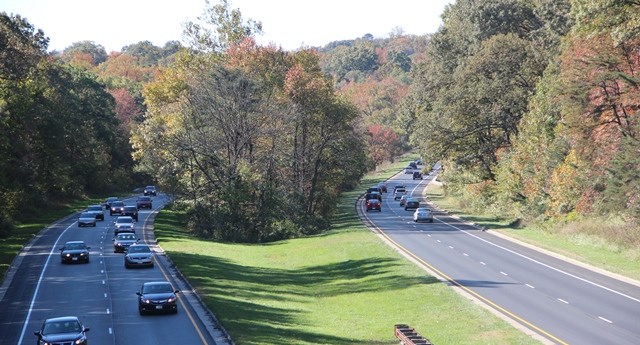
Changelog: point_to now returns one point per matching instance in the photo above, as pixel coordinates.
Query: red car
(144, 202)
(374, 204)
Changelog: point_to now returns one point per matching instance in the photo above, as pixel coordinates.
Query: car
(98, 210)
(157, 296)
(422, 214)
(124, 224)
(399, 186)
(62, 330)
(74, 251)
(411, 203)
(408, 170)
(374, 204)
(117, 207)
(374, 189)
(383, 187)
(413, 165)
(373, 195)
(150, 190)
(399, 193)
(403, 199)
(144, 202)
(138, 255)
(86, 219)
(417, 175)
(131, 211)
(109, 200)
(123, 240)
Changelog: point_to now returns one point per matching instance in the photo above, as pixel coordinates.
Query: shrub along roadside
(342, 287)
(574, 239)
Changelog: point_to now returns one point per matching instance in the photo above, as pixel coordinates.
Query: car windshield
(95, 208)
(61, 327)
(125, 237)
(130, 208)
(157, 288)
(125, 220)
(113, 198)
(144, 198)
(87, 215)
(139, 249)
(73, 246)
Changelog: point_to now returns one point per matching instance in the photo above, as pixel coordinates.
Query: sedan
(122, 241)
(138, 255)
(403, 199)
(150, 190)
(62, 330)
(74, 251)
(124, 224)
(144, 202)
(110, 200)
(411, 203)
(423, 214)
(117, 207)
(157, 297)
(87, 219)
(97, 210)
(374, 204)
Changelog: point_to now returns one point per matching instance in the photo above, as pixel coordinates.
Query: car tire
(94, 225)
(142, 312)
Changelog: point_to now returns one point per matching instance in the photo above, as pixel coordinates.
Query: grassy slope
(580, 246)
(343, 287)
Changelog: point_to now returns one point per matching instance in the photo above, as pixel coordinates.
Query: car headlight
(68, 255)
(84, 254)
(171, 299)
(146, 301)
(81, 340)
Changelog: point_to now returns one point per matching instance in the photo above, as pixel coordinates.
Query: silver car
(87, 219)
(124, 224)
(423, 214)
(138, 255)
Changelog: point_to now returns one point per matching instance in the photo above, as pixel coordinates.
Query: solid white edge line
(544, 265)
(35, 293)
(563, 301)
(605, 320)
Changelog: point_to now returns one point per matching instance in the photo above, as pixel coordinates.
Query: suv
(399, 193)
(117, 207)
(417, 175)
(150, 190)
(124, 224)
(144, 202)
(374, 204)
(131, 211)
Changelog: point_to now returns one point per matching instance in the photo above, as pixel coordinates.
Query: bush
(6, 227)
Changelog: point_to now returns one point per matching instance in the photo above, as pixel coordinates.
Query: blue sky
(287, 23)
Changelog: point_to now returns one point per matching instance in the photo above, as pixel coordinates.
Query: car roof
(74, 242)
(131, 207)
(62, 319)
(96, 206)
(124, 218)
(113, 198)
(156, 283)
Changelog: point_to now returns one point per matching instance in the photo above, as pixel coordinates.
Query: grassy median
(343, 287)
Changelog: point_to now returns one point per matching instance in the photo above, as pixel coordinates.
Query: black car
(74, 251)
(144, 202)
(97, 210)
(117, 207)
(417, 175)
(138, 255)
(150, 190)
(123, 240)
(131, 211)
(157, 297)
(62, 330)
(109, 200)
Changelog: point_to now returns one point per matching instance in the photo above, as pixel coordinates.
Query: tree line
(533, 107)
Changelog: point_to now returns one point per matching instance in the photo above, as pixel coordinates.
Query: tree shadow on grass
(229, 289)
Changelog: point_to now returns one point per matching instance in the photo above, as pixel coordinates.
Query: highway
(554, 300)
(101, 293)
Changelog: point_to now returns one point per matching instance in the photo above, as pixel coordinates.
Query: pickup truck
(408, 336)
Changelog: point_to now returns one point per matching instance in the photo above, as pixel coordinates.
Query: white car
(423, 214)
(124, 224)
(399, 193)
(87, 219)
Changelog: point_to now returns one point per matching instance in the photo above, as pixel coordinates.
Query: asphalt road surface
(555, 300)
(101, 293)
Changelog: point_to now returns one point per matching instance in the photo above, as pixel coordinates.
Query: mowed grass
(585, 240)
(343, 287)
